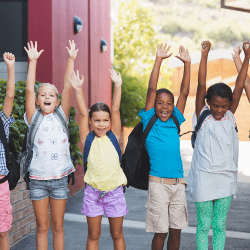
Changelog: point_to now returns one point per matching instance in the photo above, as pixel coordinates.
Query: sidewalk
(238, 223)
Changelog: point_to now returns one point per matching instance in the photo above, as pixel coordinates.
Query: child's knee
(42, 228)
(116, 235)
(3, 235)
(218, 226)
(94, 236)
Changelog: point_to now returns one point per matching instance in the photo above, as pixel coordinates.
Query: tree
(135, 43)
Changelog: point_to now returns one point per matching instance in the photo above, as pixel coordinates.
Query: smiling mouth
(164, 114)
(47, 103)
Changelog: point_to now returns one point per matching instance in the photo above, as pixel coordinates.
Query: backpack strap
(87, 145)
(176, 122)
(201, 119)
(148, 128)
(61, 118)
(4, 141)
(115, 142)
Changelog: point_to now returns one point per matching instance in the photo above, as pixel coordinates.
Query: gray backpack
(27, 149)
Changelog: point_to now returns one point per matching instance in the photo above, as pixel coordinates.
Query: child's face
(218, 106)
(100, 122)
(164, 106)
(47, 100)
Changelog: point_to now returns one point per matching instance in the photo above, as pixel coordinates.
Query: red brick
(30, 218)
(26, 230)
(23, 213)
(33, 226)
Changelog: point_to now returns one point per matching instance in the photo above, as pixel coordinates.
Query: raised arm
(9, 59)
(239, 84)
(202, 75)
(238, 64)
(161, 54)
(77, 83)
(33, 55)
(185, 84)
(66, 94)
(116, 101)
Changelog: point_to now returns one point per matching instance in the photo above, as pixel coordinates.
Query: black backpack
(135, 160)
(11, 156)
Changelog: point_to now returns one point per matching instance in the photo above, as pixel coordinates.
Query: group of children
(211, 182)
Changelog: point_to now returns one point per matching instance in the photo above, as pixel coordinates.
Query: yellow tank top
(104, 171)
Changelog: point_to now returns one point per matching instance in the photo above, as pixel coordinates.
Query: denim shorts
(55, 189)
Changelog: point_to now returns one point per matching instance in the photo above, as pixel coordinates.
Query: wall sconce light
(77, 24)
(103, 45)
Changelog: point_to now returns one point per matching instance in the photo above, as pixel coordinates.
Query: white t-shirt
(51, 154)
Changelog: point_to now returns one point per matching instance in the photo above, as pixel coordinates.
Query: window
(14, 28)
(240, 5)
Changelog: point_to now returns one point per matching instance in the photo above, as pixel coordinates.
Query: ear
(57, 103)
(208, 102)
(89, 121)
(36, 101)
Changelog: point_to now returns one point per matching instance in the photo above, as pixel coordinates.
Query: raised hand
(32, 52)
(9, 59)
(116, 77)
(162, 51)
(236, 52)
(75, 80)
(72, 50)
(205, 47)
(184, 55)
(246, 48)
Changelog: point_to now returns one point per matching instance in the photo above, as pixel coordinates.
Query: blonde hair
(47, 84)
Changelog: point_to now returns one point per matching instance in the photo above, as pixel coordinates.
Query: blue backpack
(88, 143)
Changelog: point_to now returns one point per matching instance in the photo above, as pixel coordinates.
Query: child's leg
(41, 209)
(116, 232)
(158, 241)
(4, 241)
(219, 217)
(204, 211)
(174, 239)
(57, 211)
(94, 232)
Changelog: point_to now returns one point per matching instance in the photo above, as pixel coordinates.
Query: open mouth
(164, 114)
(47, 103)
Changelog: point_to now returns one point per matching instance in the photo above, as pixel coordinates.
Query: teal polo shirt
(163, 145)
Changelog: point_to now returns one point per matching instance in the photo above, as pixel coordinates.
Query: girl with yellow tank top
(104, 177)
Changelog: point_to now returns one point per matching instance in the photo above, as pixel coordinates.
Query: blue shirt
(163, 145)
(7, 122)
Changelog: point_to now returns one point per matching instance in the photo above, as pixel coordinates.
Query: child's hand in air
(184, 55)
(236, 52)
(205, 47)
(72, 51)
(9, 59)
(32, 52)
(162, 51)
(116, 77)
(246, 48)
(75, 80)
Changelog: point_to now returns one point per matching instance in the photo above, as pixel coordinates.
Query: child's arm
(77, 83)
(161, 54)
(9, 59)
(185, 84)
(239, 84)
(115, 106)
(33, 55)
(66, 94)
(201, 89)
(238, 64)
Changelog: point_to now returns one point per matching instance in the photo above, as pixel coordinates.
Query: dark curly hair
(159, 91)
(219, 89)
(99, 106)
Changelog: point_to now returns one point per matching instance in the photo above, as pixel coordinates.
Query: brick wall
(22, 211)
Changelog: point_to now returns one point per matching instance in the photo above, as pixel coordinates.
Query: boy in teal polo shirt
(166, 206)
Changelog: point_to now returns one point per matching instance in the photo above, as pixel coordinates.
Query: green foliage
(18, 129)
(135, 43)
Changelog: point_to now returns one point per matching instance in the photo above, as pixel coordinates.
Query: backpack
(89, 140)
(28, 144)
(135, 160)
(201, 119)
(11, 157)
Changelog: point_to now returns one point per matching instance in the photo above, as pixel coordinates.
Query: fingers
(41, 51)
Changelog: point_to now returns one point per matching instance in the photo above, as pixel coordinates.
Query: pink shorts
(111, 203)
(5, 207)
